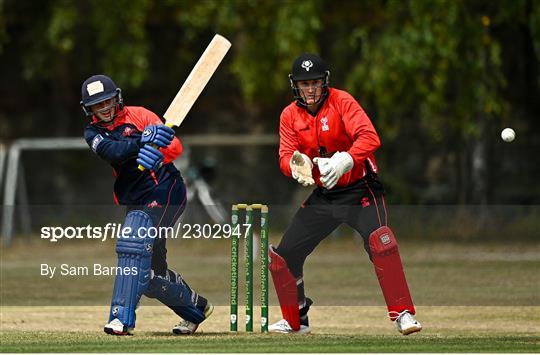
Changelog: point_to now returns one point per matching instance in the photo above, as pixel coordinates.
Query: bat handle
(141, 168)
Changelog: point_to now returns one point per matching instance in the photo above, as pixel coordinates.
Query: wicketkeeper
(327, 139)
(126, 136)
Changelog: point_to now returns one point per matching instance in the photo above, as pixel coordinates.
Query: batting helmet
(96, 89)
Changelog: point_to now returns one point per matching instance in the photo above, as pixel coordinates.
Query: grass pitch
(335, 329)
(471, 298)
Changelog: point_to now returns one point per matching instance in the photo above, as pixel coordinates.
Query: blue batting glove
(159, 135)
(150, 158)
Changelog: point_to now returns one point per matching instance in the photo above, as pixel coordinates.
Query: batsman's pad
(174, 292)
(285, 285)
(134, 251)
(389, 270)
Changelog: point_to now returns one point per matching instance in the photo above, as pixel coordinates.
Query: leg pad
(389, 270)
(175, 293)
(286, 289)
(134, 253)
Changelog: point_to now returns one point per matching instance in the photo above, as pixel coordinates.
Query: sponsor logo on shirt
(95, 142)
(365, 202)
(154, 204)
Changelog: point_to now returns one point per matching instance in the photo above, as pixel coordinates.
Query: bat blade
(197, 80)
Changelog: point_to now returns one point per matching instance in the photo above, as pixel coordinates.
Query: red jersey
(340, 125)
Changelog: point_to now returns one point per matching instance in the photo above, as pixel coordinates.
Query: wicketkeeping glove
(159, 135)
(332, 169)
(149, 157)
(301, 167)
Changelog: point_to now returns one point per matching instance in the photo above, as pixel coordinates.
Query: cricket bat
(196, 81)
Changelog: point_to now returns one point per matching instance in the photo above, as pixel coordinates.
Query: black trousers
(360, 205)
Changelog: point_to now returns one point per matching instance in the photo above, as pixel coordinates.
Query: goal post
(2, 162)
(10, 161)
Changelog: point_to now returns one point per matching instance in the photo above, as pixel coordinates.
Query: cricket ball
(508, 135)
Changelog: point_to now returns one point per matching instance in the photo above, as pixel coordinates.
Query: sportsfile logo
(117, 231)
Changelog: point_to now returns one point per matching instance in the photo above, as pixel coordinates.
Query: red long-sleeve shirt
(340, 125)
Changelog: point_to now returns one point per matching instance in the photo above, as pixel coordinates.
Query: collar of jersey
(120, 119)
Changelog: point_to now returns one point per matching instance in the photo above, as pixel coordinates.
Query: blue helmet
(99, 88)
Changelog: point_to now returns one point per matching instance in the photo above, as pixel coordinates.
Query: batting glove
(159, 135)
(332, 169)
(301, 167)
(150, 158)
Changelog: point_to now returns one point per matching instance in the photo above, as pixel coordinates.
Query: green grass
(438, 273)
(471, 298)
(257, 343)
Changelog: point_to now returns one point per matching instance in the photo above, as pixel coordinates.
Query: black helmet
(309, 67)
(96, 89)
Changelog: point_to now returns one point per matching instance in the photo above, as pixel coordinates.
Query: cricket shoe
(283, 327)
(115, 327)
(186, 327)
(407, 324)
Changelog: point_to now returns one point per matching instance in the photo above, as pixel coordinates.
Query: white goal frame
(10, 162)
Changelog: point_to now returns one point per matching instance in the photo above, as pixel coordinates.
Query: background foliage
(439, 79)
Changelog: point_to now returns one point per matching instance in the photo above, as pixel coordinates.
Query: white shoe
(186, 327)
(283, 327)
(407, 324)
(115, 327)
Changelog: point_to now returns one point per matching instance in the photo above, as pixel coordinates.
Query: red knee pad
(389, 270)
(285, 285)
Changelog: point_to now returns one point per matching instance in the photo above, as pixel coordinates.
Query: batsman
(126, 137)
(327, 140)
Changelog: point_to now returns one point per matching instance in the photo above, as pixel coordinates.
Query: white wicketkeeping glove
(301, 167)
(332, 169)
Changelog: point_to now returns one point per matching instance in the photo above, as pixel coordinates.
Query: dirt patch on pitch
(324, 320)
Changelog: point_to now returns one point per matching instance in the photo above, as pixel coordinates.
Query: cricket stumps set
(248, 258)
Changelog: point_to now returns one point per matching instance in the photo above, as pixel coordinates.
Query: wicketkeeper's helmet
(309, 67)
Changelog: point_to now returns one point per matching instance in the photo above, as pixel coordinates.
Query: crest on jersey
(307, 64)
(127, 131)
(324, 122)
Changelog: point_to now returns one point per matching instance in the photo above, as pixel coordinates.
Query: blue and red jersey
(119, 144)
